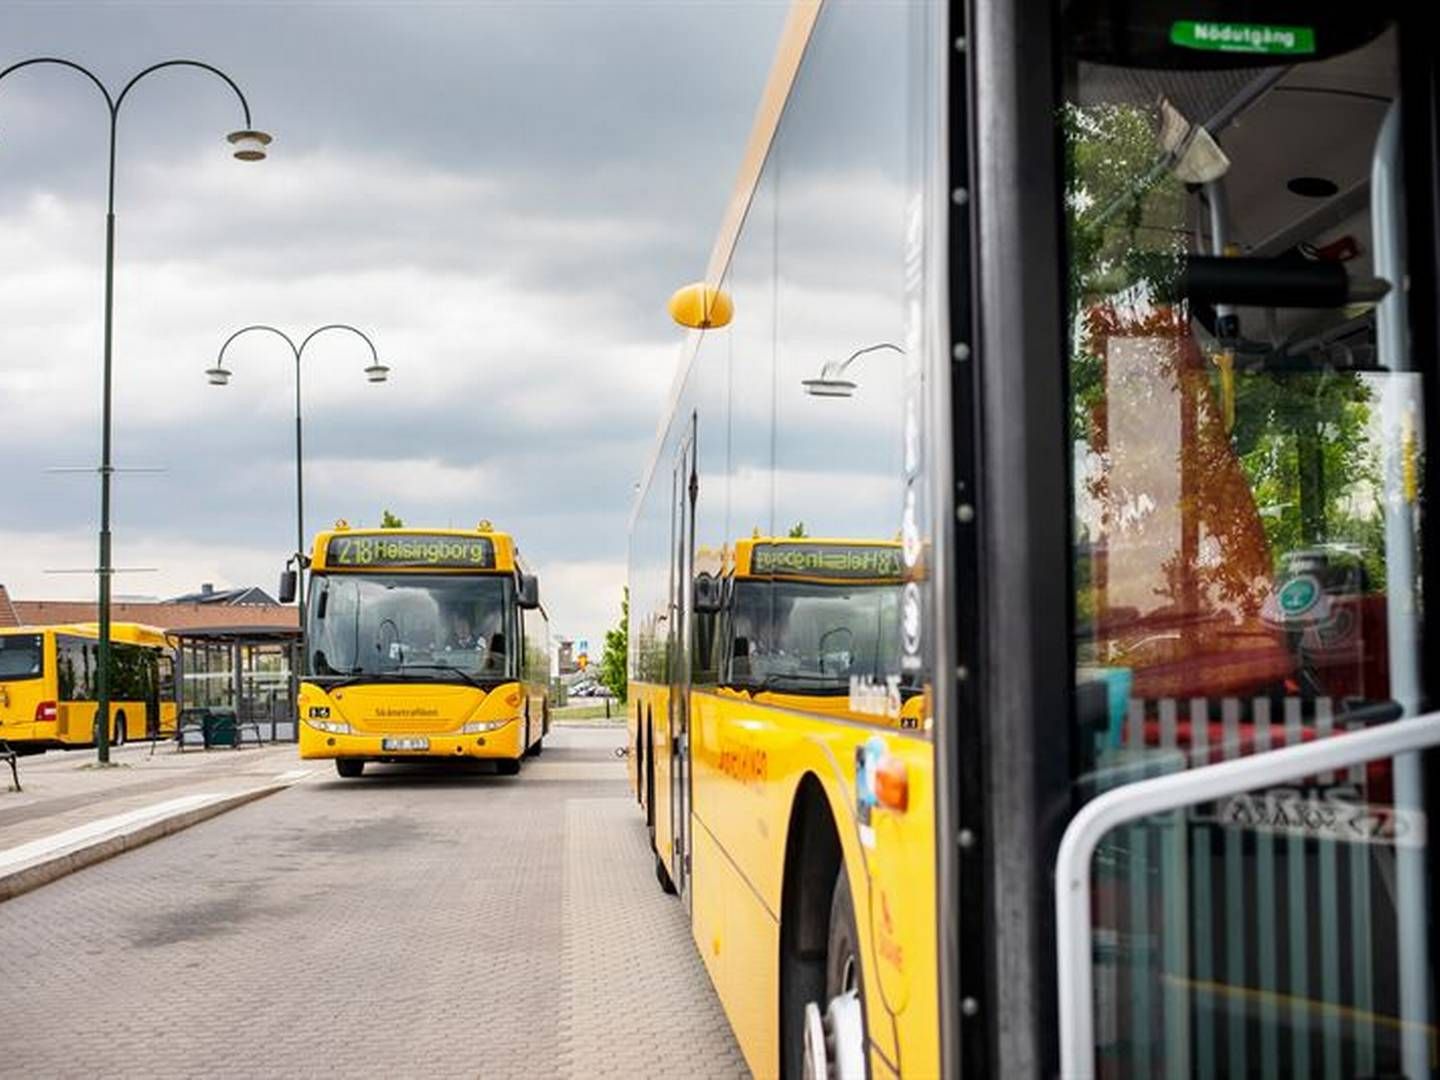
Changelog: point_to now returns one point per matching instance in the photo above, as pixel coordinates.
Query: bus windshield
(809, 638)
(432, 627)
(21, 657)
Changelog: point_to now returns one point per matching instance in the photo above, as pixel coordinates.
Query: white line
(61, 843)
(49, 846)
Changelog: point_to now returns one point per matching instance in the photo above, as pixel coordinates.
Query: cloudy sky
(502, 194)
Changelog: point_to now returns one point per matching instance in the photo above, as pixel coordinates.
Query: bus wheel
(835, 1042)
(349, 767)
(508, 766)
(536, 748)
(120, 726)
(662, 875)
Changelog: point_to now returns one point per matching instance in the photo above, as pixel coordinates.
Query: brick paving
(407, 924)
(62, 789)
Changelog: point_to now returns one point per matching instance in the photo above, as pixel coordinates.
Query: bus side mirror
(701, 307)
(529, 591)
(708, 593)
(287, 586)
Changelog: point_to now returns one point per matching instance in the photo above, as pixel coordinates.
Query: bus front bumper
(503, 742)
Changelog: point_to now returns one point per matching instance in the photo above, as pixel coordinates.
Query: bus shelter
(248, 671)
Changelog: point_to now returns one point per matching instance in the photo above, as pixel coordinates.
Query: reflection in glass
(1245, 527)
(815, 624)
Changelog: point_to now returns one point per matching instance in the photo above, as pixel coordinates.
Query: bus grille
(406, 725)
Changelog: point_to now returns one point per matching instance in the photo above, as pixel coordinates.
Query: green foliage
(615, 658)
(1304, 443)
(390, 521)
(797, 531)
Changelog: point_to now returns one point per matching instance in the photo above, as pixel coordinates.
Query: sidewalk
(70, 807)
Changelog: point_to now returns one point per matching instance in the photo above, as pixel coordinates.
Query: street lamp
(829, 383)
(250, 145)
(219, 375)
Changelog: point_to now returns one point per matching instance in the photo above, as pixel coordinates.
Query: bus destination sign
(412, 551)
(840, 561)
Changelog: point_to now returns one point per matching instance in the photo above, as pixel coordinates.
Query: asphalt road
(411, 923)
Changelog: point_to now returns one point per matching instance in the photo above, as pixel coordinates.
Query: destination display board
(411, 551)
(840, 561)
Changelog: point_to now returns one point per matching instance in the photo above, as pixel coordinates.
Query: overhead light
(218, 376)
(828, 387)
(249, 145)
(377, 372)
(830, 384)
(1312, 187)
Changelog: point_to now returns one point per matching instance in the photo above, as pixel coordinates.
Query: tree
(615, 659)
(390, 521)
(797, 531)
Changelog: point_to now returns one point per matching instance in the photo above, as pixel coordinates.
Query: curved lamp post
(249, 146)
(219, 375)
(830, 384)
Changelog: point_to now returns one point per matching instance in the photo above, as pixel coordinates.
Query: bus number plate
(405, 744)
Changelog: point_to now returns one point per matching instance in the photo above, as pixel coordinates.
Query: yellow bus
(807, 623)
(422, 644)
(47, 685)
(1046, 456)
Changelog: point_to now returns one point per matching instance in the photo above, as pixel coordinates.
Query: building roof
(168, 616)
(208, 594)
(8, 616)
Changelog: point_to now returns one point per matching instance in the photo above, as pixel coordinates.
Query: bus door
(685, 487)
(1248, 365)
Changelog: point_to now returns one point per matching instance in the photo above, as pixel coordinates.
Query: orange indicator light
(892, 784)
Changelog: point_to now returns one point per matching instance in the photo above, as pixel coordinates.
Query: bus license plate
(405, 744)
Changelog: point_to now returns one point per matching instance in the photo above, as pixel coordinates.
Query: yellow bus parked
(47, 685)
(422, 644)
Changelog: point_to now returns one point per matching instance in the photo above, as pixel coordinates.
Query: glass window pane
(1245, 423)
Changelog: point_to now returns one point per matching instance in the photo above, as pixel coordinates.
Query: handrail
(1073, 937)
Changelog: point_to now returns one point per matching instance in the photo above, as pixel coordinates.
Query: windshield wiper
(445, 667)
(339, 679)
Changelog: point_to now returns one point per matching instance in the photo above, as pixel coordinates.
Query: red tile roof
(8, 617)
(165, 616)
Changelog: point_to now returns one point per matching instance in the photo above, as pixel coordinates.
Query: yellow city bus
(422, 644)
(47, 685)
(1050, 442)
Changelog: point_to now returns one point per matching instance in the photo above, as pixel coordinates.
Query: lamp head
(823, 387)
(218, 376)
(249, 145)
(377, 372)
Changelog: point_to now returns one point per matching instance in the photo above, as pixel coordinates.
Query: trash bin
(220, 727)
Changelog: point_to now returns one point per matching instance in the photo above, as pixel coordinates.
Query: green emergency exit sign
(1244, 38)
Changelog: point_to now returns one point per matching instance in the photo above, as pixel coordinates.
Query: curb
(46, 869)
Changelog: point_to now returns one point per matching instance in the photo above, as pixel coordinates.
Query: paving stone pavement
(407, 924)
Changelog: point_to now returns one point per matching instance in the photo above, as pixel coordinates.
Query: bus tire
(120, 732)
(508, 766)
(662, 875)
(843, 1010)
(350, 768)
(536, 748)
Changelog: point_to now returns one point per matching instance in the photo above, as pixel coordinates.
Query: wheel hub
(835, 1043)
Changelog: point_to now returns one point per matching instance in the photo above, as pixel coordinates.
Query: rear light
(47, 712)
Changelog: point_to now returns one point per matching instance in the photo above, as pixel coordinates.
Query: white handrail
(1074, 946)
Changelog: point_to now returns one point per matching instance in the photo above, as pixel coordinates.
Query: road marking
(61, 842)
(94, 832)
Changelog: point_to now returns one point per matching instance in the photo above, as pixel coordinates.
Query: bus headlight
(478, 726)
(333, 727)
